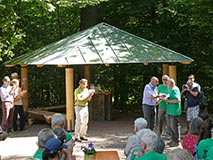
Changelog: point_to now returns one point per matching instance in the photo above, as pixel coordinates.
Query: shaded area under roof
(100, 44)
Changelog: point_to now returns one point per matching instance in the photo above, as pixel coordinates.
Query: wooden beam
(173, 72)
(24, 85)
(69, 99)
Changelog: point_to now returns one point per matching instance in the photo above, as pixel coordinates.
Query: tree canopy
(181, 25)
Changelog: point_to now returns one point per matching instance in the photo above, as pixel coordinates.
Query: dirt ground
(106, 135)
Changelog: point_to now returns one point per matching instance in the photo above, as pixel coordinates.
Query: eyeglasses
(164, 79)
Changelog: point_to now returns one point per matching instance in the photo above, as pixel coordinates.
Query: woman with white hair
(147, 150)
(132, 143)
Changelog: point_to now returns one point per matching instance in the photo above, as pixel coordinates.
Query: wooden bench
(39, 114)
(44, 114)
(107, 155)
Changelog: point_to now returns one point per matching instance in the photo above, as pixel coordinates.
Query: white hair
(149, 138)
(140, 123)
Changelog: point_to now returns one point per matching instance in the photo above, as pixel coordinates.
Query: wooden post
(87, 74)
(69, 99)
(173, 72)
(24, 85)
(165, 69)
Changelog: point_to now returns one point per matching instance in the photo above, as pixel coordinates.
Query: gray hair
(159, 145)
(195, 126)
(149, 138)
(57, 119)
(44, 135)
(140, 123)
(179, 154)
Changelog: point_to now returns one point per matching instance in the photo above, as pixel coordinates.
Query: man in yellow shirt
(82, 96)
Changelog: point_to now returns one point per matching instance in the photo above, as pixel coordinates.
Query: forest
(180, 25)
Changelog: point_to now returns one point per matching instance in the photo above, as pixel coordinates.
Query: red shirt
(189, 141)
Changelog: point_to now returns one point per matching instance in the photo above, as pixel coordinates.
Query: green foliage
(10, 34)
(181, 25)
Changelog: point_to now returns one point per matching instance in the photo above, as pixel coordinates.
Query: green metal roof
(100, 44)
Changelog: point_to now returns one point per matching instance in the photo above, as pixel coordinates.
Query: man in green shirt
(174, 111)
(82, 96)
(162, 116)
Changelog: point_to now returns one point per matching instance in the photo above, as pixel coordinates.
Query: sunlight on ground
(18, 147)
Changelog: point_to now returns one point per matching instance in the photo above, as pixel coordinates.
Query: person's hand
(70, 145)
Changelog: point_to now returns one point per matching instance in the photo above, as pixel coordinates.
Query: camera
(185, 86)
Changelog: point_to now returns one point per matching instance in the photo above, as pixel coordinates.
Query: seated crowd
(146, 144)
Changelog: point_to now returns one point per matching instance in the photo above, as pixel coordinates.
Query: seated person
(132, 143)
(148, 141)
(53, 149)
(190, 140)
(204, 147)
(160, 145)
(179, 154)
(58, 121)
(61, 135)
(3, 135)
(43, 136)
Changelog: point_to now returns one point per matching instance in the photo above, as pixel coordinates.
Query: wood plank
(107, 155)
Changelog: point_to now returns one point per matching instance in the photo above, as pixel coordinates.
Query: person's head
(44, 135)
(179, 154)
(191, 77)
(14, 75)
(205, 129)
(189, 83)
(6, 80)
(58, 120)
(160, 145)
(83, 83)
(147, 140)
(53, 149)
(139, 124)
(165, 79)
(195, 126)
(60, 133)
(154, 81)
(171, 83)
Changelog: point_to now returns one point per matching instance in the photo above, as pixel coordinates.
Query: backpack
(202, 100)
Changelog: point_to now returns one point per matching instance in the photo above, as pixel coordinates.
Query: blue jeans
(149, 115)
(174, 122)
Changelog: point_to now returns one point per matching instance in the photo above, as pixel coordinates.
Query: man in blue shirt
(150, 95)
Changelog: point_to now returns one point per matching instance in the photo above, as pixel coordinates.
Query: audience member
(204, 147)
(179, 154)
(148, 142)
(191, 139)
(7, 93)
(132, 143)
(205, 131)
(60, 133)
(58, 121)
(82, 95)
(160, 145)
(162, 116)
(43, 136)
(150, 96)
(191, 94)
(174, 112)
(53, 149)
(3, 134)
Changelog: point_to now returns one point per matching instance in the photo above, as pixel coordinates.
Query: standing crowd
(161, 105)
(11, 93)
